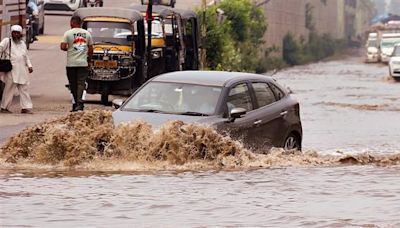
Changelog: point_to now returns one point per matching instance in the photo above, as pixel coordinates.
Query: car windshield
(389, 43)
(156, 29)
(177, 98)
(396, 51)
(372, 43)
(110, 32)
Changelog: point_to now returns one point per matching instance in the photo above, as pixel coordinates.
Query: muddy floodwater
(348, 175)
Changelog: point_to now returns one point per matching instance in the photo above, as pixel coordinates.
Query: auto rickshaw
(191, 38)
(119, 61)
(168, 47)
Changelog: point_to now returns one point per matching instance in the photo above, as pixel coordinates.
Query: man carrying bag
(15, 66)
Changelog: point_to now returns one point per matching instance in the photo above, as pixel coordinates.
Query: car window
(264, 94)
(239, 97)
(279, 94)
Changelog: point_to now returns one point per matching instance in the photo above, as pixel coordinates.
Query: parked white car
(394, 63)
(63, 5)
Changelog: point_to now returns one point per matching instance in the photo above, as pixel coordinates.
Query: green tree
(233, 43)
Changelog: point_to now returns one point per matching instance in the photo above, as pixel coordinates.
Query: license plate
(106, 64)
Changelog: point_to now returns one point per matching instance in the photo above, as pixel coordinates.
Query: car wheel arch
(296, 134)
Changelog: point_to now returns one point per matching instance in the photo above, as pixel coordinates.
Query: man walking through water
(17, 78)
(78, 44)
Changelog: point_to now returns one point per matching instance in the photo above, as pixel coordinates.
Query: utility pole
(149, 18)
(203, 55)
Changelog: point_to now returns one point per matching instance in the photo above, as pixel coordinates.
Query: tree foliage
(233, 38)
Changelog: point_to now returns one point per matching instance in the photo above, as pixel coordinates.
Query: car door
(269, 126)
(239, 97)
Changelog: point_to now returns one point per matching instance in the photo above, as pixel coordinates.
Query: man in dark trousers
(78, 44)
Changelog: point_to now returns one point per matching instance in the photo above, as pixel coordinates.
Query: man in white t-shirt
(78, 44)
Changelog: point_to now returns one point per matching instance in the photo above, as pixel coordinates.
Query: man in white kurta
(18, 77)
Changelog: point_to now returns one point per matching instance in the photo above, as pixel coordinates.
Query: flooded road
(347, 107)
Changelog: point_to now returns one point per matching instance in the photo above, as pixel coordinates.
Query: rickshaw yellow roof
(109, 19)
(161, 11)
(110, 12)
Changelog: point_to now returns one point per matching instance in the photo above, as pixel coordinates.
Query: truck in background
(378, 50)
(372, 48)
(387, 43)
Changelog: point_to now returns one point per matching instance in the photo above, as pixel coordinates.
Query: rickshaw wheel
(104, 99)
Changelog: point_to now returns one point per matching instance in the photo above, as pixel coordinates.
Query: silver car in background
(63, 5)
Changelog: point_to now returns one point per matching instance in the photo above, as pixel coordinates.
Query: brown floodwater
(79, 171)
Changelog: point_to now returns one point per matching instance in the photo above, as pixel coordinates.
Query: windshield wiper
(106, 42)
(193, 114)
(149, 110)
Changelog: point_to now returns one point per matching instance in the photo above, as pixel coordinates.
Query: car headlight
(156, 53)
(396, 62)
(126, 62)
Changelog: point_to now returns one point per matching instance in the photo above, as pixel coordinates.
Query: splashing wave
(89, 141)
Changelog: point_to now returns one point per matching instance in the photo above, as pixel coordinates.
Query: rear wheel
(41, 30)
(104, 99)
(1, 89)
(28, 38)
(292, 142)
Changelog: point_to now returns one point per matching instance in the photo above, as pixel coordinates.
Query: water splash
(89, 141)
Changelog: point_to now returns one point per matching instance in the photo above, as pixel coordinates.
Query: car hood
(158, 119)
(395, 58)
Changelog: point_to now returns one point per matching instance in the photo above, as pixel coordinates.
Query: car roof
(391, 35)
(210, 78)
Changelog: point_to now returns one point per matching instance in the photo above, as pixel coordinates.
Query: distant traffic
(383, 45)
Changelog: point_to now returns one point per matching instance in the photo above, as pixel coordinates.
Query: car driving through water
(252, 108)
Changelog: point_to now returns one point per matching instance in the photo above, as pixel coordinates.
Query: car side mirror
(236, 113)
(117, 103)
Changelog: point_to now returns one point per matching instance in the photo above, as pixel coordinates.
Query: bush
(232, 42)
(315, 49)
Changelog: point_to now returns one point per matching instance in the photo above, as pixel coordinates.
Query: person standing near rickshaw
(78, 44)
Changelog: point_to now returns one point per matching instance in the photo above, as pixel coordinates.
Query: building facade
(341, 19)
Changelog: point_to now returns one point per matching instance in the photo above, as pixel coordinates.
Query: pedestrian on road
(17, 78)
(78, 44)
